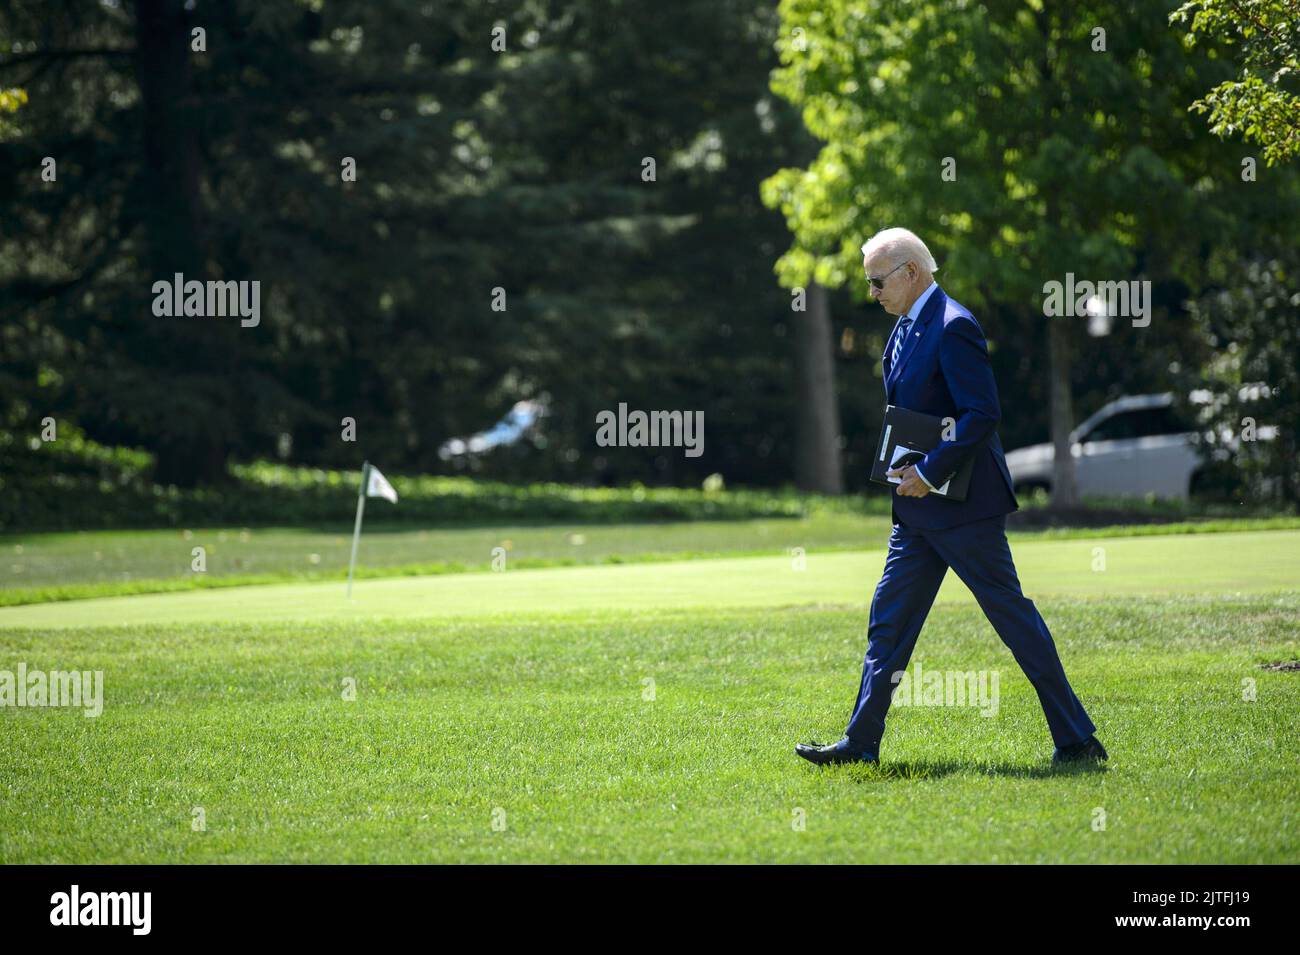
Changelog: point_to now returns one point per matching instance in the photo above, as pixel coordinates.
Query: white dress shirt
(914, 313)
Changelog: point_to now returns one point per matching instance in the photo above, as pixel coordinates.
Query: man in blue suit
(936, 362)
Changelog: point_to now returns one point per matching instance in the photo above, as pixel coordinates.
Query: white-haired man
(936, 362)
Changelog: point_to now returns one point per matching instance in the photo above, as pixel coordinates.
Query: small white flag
(377, 486)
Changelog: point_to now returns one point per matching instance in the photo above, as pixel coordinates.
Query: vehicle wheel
(1217, 481)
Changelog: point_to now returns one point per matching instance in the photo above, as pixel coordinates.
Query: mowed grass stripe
(1257, 562)
(547, 721)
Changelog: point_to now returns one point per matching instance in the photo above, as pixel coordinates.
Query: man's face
(896, 278)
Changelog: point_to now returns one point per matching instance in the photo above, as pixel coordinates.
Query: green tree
(477, 168)
(1023, 142)
(1245, 379)
(10, 101)
(1262, 105)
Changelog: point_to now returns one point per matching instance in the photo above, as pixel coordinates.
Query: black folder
(905, 438)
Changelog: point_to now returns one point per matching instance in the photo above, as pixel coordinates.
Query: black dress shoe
(1088, 749)
(844, 751)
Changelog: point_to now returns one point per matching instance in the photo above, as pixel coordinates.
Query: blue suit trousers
(914, 569)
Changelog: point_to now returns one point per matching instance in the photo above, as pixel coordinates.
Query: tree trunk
(817, 464)
(1065, 486)
(193, 452)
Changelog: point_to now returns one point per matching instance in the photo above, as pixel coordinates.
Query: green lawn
(92, 563)
(1262, 562)
(522, 694)
(39, 567)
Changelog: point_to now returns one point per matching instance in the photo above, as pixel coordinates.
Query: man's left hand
(912, 485)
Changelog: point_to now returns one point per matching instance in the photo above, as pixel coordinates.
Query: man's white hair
(900, 245)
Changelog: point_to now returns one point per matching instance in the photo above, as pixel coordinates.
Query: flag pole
(356, 531)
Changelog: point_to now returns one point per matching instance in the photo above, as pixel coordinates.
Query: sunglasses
(878, 283)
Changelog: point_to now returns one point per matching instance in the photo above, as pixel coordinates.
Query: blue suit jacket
(943, 370)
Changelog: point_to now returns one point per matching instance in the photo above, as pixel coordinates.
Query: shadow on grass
(918, 770)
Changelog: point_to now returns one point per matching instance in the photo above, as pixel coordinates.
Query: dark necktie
(901, 337)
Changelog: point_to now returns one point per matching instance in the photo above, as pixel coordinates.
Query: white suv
(1133, 446)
